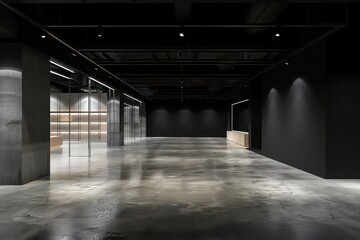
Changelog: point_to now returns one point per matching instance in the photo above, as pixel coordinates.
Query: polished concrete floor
(178, 188)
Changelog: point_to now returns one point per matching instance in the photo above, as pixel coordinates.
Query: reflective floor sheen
(178, 188)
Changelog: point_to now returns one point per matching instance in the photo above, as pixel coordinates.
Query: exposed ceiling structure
(224, 44)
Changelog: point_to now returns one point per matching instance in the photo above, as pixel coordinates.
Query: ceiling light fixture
(180, 54)
(99, 31)
(132, 98)
(60, 75)
(73, 54)
(61, 66)
(43, 36)
(93, 79)
(287, 62)
(181, 34)
(278, 32)
(95, 69)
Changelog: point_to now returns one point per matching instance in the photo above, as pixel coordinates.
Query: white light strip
(85, 113)
(77, 132)
(82, 123)
(59, 65)
(240, 102)
(132, 98)
(101, 83)
(60, 75)
(232, 112)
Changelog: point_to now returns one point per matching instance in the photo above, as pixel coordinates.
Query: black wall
(194, 119)
(293, 111)
(241, 117)
(343, 105)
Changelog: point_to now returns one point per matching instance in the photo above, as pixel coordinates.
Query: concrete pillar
(142, 119)
(115, 119)
(24, 114)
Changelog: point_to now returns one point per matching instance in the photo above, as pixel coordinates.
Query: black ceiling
(226, 43)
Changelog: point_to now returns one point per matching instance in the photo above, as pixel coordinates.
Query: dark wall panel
(241, 117)
(293, 112)
(36, 117)
(343, 105)
(174, 119)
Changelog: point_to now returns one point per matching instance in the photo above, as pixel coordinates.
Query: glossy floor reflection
(178, 188)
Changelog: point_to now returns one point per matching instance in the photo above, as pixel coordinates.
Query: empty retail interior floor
(178, 188)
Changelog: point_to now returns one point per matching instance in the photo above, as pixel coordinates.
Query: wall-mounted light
(60, 75)
(61, 66)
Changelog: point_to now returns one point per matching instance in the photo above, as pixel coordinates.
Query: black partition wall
(187, 119)
(240, 116)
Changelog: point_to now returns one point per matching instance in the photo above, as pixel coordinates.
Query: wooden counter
(241, 138)
(56, 141)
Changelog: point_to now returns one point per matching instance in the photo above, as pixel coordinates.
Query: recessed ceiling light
(181, 34)
(99, 31)
(277, 34)
(43, 36)
(96, 69)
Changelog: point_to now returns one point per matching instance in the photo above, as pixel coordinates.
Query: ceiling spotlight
(99, 31)
(181, 34)
(73, 54)
(287, 63)
(180, 54)
(246, 55)
(278, 32)
(43, 36)
(95, 69)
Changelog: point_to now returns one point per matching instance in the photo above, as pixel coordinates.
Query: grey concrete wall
(10, 114)
(113, 124)
(122, 117)
(36, 117)
(24, 118)
(115, 131)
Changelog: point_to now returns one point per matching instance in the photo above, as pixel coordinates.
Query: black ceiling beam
(192, 63)
(166, 61)
(185, 50)
(183, 75)
(327, 25)
(171, 1)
